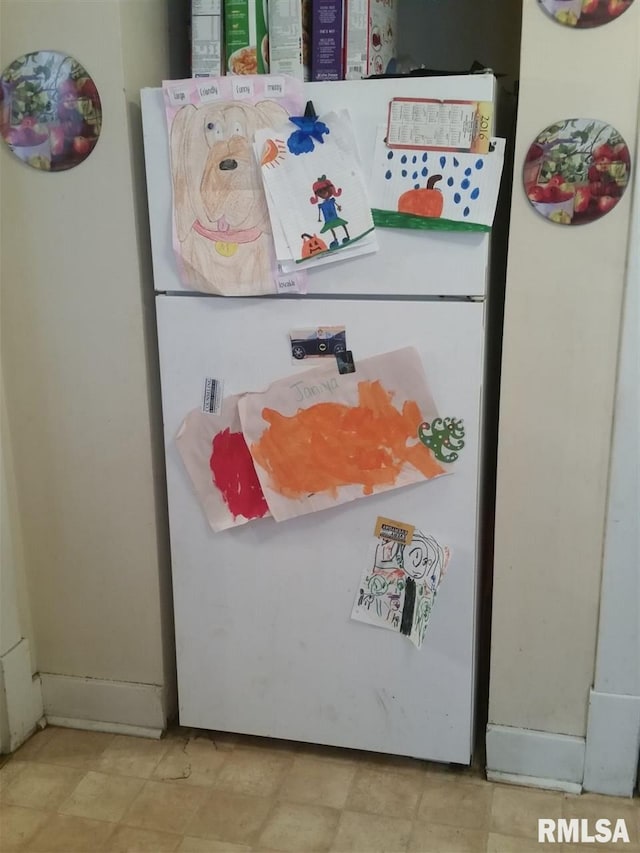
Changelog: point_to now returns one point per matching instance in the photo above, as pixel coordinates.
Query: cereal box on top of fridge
(286, 38)
(206, 38)
(245, 36)
(327, 30)
(370, 37)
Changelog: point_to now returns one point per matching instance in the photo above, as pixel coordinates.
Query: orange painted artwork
(319, 439)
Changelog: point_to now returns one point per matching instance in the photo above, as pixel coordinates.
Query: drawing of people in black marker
(424, 561)
(329, 209)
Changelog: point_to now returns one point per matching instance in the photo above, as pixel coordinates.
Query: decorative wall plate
(50, 111)
(583, 14)
(576, 171)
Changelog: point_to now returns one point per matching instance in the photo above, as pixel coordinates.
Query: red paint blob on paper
(234, 475)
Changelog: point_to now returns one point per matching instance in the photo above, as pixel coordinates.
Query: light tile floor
(83, 792)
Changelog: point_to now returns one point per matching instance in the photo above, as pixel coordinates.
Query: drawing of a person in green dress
(329, 209)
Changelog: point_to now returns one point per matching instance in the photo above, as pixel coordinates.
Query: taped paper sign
(398, 587)
(221, 230)
(219, 464)
(435, 190)
(319, 439)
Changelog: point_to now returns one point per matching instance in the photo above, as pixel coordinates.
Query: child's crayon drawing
(399, 584)
(316, 192)
(325, 196)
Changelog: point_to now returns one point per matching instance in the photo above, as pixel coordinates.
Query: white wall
(613, 733)
(563, 307)
(78, 365)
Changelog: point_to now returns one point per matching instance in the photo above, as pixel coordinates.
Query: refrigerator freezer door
(265, 642)
(425, 263)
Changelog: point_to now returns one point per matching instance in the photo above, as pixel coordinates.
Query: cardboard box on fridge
(286, 38)
(206, 38)
(245, 36)
(370, 37)
(327, 39)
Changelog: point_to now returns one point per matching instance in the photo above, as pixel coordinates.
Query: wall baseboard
(534, 782)
(613, 744)
(552, 759)
(100, 705)
(101, 726)
(20, 697)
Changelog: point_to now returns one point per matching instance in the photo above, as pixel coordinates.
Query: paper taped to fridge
(400, 581)
(320, 438)
(221, 230)
(316, 192)
(220, 467)
(434, 190)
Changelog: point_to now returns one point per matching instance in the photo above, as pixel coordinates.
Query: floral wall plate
(576, 171)
(585, 13)
(50, 111)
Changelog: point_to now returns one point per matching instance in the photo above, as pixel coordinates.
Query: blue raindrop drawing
(416, 186)
(479, 164)
(467, 172)
(424, 157)
(466, 211)
(475, 193)
(457, 198)
(390, 155)
(388, 174)
(443, 161)
(456, 162)
(449, 182)
(415, 176)
(425, 172)
(404, 173)
(465, 184)
(403, 159)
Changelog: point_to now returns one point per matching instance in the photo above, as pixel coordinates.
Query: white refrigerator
(264, 639)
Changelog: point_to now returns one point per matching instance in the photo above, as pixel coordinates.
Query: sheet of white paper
(221, 230)
(469, 183)
(399, 584)
(318, 196)
(321, 438)
(215, 455)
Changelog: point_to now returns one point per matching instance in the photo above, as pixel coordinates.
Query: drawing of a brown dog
(220, 211)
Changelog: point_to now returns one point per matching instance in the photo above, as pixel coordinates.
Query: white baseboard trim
(534, 782)
(20, 697)
(100, 726)
(535, 755)
(613, 744)
(119, 706)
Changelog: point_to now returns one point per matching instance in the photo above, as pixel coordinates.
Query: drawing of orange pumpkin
(312, 245)
(427, 202)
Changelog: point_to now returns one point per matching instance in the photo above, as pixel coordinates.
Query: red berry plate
(50, 110)
(576, 170)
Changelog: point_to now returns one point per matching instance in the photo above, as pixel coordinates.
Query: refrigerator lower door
(265, 642)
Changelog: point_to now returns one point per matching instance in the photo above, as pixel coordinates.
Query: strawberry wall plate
(583, 14)
(576, 171)
(50, 111)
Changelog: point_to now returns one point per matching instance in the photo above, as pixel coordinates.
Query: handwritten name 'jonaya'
(307, 392)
